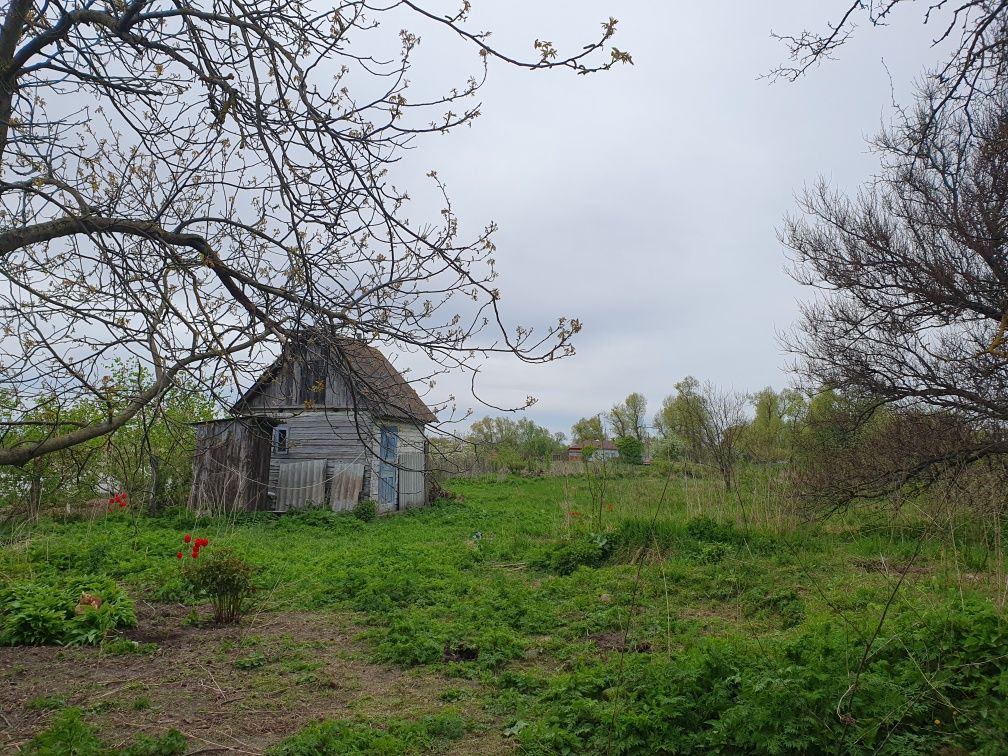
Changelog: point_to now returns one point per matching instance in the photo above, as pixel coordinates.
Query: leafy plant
(225, 578)
(581, 550)
(48, 703)
(70, 734)
(64, 611)
(365, 510)
(341, 736)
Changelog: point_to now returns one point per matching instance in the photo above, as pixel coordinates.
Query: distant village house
(604, 449)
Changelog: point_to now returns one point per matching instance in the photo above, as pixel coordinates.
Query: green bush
(339, 736)
(47, 611)
(709, 530)
(225, 578)
(936, 683)
(630, 449)
(365, 510)
(566, 556)
(69, 734)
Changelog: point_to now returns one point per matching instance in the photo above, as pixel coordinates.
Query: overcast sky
(645, 201)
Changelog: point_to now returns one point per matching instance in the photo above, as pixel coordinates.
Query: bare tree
(711, 421)
(190, 185)
(913, 310)
(723, 429)
(975, 33)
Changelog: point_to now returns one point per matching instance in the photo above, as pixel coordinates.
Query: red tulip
(179, 555)
(187, 538)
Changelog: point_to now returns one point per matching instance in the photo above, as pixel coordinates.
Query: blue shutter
(388, 497)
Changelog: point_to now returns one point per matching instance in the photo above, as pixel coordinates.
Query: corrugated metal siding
(301, 483)
(330, 434)
(345, 488)
(412, 479)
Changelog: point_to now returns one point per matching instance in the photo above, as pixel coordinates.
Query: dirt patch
(613, 640)
(237, 689)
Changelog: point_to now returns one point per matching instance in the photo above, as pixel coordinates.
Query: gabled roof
(378, 386)
(605, 445)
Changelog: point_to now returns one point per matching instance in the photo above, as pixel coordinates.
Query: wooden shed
(331, 422)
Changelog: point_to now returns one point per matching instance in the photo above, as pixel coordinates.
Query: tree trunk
(35, 496)
(153, 492)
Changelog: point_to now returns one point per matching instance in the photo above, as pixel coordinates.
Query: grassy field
(578, 614)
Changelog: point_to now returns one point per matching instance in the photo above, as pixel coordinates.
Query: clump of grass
(48, 703)
(365, 510)
(68, 733)
(397, 736)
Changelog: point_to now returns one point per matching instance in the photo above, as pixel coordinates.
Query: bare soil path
(233, 689)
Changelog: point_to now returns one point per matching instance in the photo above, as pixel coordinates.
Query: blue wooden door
(388, 491)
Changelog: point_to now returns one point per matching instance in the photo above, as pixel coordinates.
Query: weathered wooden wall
(288, 390)
(231, 465)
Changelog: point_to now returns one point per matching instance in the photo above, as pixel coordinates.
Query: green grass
(598, 620)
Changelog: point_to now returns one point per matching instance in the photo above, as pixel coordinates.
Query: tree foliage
(631, 450)
(149, 457)
(711, 423)
(588, 429)
(771, 434)
(629, 417)
(515, 445)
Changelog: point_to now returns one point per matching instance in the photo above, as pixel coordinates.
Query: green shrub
(630, 450)
(339, 736)
(936, 683)
(68, 734)
(562, 558)
(365, 510)
(48, 611)
(172, 743)
(712, 553)
(709, 530)
(225, 578)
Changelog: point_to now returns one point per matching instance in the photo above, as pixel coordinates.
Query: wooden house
(604, 449)
(331, 422)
